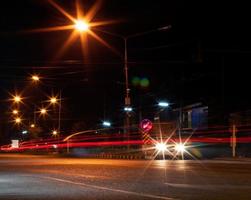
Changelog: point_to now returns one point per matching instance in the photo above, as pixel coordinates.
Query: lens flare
(180, 148)
(17, 99)
(81, 25)
(161, 147)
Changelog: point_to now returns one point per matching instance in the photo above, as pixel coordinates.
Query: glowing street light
(53, 100)
(106, 123)
(15, 112)
(81, 25)
(43, 111)
(54, 132)
(32, 125)
(128, 109)
(18, 120)
(163, 104)
(17, 99)
(35, 78)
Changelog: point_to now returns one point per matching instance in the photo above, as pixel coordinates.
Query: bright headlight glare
(161, 147)
(180, 147)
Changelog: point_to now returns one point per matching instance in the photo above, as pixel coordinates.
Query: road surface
(45, 177)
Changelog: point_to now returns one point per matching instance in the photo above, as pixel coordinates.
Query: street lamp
(15, 112)
(35, 78)
(54, 132)
(18, 120)
(163, 104)
(128, 109)
(53, 100)
(17, 99)
(81, 25)
(127, 102)
(43, 111)
(106, 123)
(32, 125)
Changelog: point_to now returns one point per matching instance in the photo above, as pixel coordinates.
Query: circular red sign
(146, 125)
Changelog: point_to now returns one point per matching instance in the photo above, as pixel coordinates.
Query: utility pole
(127, 94)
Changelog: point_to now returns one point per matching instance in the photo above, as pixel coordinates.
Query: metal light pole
(128, 108)
(127, 93)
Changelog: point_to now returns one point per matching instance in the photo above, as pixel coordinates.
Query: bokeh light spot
(144, 82)
(136, 81)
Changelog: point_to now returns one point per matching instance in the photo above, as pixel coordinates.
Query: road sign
(146, 125)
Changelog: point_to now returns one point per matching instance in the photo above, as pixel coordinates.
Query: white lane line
(105, 188)
(207, 186)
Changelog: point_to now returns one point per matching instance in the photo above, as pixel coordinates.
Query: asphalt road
(44, 177)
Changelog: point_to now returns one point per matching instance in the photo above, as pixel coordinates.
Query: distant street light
(18, 120)
(24, 132)
(53, 100)
(43, 111)
(35, 78)
(15, 112)
(128, 109)
(32, 125)
(106, 123)
(163, 104)
(17, 99)
(54, 132)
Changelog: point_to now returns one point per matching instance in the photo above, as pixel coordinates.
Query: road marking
(72, 174)
(207, 186)
(105, 188)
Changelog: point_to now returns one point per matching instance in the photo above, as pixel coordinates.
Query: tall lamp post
(83, 26)
(127, 106)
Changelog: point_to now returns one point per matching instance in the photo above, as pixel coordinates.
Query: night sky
(204, 57)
